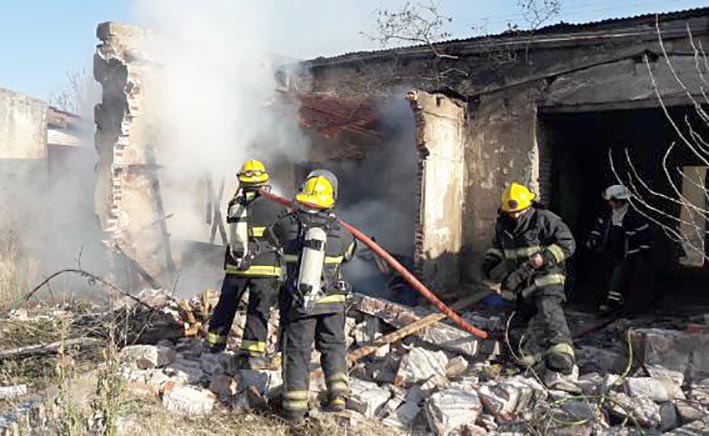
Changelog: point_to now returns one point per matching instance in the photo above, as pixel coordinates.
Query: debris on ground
(636, 375)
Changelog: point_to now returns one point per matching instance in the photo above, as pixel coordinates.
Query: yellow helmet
(516, 198)
(317, 192)
(252, 172)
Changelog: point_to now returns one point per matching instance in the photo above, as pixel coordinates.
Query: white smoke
(215, 94)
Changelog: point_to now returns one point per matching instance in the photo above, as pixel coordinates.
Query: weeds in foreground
(17, 270)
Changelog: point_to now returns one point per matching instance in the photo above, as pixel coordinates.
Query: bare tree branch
(414, 23)
(538, 12)
(689, 227)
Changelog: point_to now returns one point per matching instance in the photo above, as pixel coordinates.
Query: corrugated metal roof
(554, 29)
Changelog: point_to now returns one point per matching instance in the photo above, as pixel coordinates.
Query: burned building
(551, 108)
(425, 143)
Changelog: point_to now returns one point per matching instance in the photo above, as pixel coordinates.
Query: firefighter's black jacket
(638, 235)
(287, 233)
(537, 231)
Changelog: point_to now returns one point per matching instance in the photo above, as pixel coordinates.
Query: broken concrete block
(451, 410)
(642, 409)
(350, 324)
(506, 398)
(487, 422)
(456, 366)
(223, 385)
(440, 336)
(404, 415)
(189, 400)
(657, 389)
(214, 363)
(567, 383)
(371, 395)
(384, 369)
(590, 384)
(699, 391)
(466, 384)
(669, 419)
(690, 411)
(366, 331)
(695, 428)
(396, 399)
(188, 370)
(656, 371)
(594, 359)
(579, 410)
(10, 392)
(157, 379)
(420, 365)
(262, 381)
(675, 350)
(148, 356)
(451, 339)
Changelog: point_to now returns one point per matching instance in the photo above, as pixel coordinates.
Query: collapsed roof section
(329, 115)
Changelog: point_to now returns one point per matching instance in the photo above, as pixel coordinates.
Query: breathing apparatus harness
(311, 283)
(240, 232)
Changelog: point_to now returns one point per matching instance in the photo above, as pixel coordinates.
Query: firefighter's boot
(560, 358)
(336, 403)
(216, 341)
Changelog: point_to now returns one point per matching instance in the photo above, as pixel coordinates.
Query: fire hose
(399, 268)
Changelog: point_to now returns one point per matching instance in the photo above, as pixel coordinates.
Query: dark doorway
(579, 147)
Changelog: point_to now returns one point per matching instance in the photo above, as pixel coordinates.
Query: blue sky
(42, 40)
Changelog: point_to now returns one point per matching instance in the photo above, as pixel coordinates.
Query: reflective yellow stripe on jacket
(557, 252)
(550, 279)
(255, 270)
(523, 252)
(258, 232)
(336, 298)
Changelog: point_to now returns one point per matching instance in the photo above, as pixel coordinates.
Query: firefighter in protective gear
(313, 311)
(624, 237)
(254, 266)
(528, 254)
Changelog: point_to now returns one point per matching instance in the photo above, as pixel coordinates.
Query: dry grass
(151, 418)
(17, 271)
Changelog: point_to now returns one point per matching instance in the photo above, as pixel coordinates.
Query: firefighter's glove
(537, 261)
(518, 277)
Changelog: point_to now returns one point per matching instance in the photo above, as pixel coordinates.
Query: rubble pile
(443, 381)
(437, 379)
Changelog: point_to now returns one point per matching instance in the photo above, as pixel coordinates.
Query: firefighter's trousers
(263, 294)
(621, 280)
(543, 307)
(328, 333)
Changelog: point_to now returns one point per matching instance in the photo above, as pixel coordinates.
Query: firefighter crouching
(527, 256)
(624, 237)
(251, 262)
(314, 247)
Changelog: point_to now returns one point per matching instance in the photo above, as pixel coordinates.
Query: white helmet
(617, 192)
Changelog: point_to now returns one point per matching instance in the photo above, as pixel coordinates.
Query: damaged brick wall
(125, 200)
(440, 126)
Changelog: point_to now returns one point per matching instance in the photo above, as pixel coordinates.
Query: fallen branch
(91, 277)
(48, 348)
